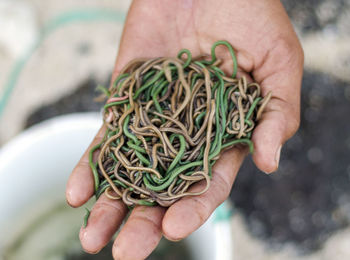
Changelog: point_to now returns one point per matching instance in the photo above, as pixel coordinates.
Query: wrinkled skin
(267, 50)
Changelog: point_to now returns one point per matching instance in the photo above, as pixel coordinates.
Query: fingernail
(277, 156)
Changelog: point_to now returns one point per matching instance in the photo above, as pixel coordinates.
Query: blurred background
(53, 54)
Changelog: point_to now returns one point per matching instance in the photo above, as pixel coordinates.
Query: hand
(267, 49)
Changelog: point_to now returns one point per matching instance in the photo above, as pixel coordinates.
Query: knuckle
(149, 221)
(291, 119)
(294, 124)
(290, 50)
(291, 122)
(288, 116)
(109, 206)
(202, 209)
(284, 46)
(223, 188)
(82, 165)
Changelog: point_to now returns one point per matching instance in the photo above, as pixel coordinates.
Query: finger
(104, 220)
(80, 185)
(189, 213)
(276, 126)
(280, 73)
(140, 235)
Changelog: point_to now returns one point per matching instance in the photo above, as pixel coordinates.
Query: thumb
(280, 73)
(279, 122)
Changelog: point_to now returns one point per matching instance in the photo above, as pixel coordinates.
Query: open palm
(267, 50)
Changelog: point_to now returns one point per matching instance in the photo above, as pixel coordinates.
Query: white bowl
(34, 168)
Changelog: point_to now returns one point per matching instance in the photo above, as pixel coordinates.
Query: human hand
(267, 49)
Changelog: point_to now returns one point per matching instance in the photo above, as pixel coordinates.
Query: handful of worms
(167, 121)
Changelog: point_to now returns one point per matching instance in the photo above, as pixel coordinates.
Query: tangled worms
(167, 121)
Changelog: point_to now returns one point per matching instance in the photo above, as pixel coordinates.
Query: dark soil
(309, 197)
(315, 15)
(81, 100)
